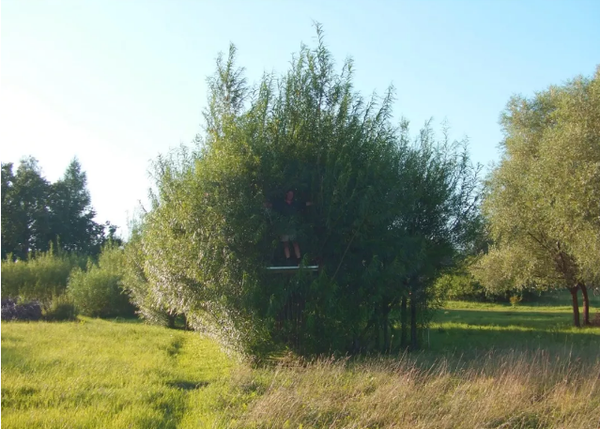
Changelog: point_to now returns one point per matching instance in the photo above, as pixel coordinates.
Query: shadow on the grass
(543, 320)
(187, 385)
(472, 332)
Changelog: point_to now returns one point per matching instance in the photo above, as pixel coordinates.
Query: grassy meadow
(486, 366)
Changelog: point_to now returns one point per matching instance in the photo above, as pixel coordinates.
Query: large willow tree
(543, 203)
(388, 215)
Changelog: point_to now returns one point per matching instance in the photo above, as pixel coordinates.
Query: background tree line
(37, 214)
(53, 252)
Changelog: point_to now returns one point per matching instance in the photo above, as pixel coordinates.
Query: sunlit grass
(474, 327)
(498, 390)
(486, 366)
(491, 306)
(104, 374)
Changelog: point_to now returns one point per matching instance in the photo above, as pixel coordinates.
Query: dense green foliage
(389, 213)
(97, 291)
(37, 214)
(542, 203)
(65, 284)
(460, 284)
(61, 308)
(43, 277)
(135, 283)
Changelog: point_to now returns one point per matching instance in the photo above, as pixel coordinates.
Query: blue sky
(115, 83)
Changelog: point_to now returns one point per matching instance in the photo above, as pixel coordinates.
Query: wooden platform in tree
(293, 268)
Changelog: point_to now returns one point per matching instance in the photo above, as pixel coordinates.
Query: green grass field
(487, 366)
(101, 374)
(463, 327)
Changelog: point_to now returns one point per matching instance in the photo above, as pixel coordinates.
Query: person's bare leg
(297, 250)
(286, 249)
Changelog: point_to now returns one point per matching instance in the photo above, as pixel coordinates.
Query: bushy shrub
(16, 275)
(382, 212)
(61, 308)
(515, 300)
(41, 278)
(11, 310)
(459, 286)
(97, 291)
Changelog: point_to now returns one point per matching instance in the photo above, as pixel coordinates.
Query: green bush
(459, 286)
(43, 277)
(97, 292)
(61, 308)
(515, 300)
(381, 212)
(16, 276)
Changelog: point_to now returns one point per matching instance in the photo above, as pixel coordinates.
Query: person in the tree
(288, 224)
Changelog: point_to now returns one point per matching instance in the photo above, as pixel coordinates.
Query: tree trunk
(385, 326)
(386, 335)
(586, 305)
(414, 344)
(573, 291)
(377, 325)
(403, 320)
(171, 321)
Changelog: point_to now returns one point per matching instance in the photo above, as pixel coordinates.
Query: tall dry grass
(518, 389)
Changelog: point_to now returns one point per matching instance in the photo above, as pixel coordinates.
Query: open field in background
(487, 366)
(548, 325)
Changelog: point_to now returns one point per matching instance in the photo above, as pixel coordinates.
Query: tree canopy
(37, 214)
(543, 199)
(389, 212)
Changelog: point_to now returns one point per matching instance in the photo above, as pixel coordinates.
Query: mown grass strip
(96, 373)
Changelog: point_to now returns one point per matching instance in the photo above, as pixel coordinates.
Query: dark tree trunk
(403, 321)
(573, 291)
(188, 327)
(377, 326)
(385, 325)
(414, 344)
(586, 305)
(171, 321)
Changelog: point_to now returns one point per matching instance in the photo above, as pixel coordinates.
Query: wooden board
(293, 268)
